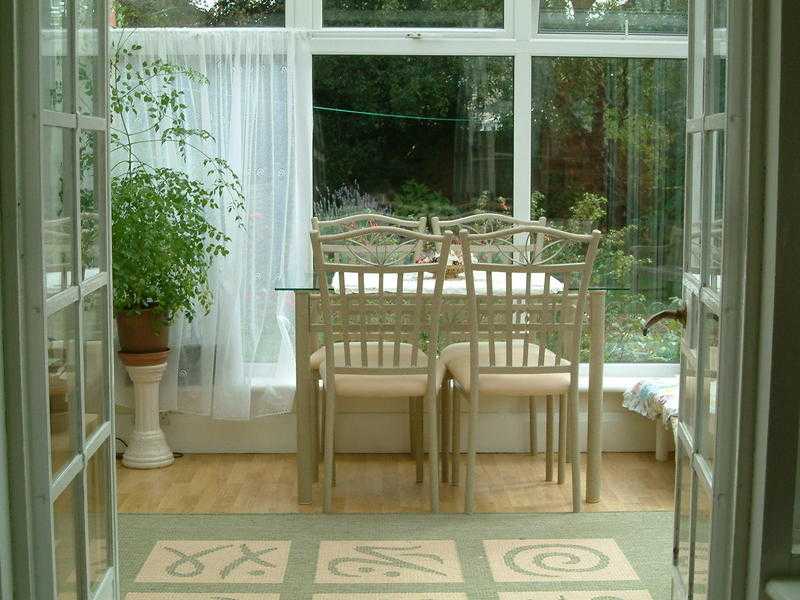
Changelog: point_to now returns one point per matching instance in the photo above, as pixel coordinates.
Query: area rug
(589, 556)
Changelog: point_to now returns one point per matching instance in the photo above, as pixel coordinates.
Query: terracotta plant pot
(142, 333)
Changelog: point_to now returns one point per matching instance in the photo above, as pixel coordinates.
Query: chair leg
(469, 493)
(412, 421)
(446, 402)
(455, 461)
(330, 417)
(433, 448)
(570, 433)
(563, 416)
(549, 439)
(317, 401)
(574, 450)
(419, 446)
(533, 425)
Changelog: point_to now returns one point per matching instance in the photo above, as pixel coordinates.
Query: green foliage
(200, 13)
(416, 199)
(590, 208)
(537, 203)
(626, 314)
(163, 242)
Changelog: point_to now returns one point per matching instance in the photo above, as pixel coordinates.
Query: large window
(569, 109)
(608, 151)
(413, 135)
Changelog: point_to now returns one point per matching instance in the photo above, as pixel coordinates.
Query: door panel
(702, 284)
(67, 298)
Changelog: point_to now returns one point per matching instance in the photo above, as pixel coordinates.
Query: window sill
(784, 589)
(619, 377)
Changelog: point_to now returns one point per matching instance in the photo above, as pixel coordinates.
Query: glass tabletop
(303, 280)
(299, 280)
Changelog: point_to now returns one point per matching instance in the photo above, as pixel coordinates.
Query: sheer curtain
(237, 362)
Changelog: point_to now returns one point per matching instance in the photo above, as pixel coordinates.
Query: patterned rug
(590, 556)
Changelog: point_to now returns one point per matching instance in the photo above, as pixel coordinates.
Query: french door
(66, 305)
(698, 437)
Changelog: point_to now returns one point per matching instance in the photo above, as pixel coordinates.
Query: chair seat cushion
(456, 358)
(387, 385)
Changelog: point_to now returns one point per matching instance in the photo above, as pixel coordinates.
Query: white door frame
(25, 309)
(757, 455)
(771, 178)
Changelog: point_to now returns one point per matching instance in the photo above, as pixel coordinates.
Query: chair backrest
(362, 221)
(486, 223)
(533, 308)
(376, 303)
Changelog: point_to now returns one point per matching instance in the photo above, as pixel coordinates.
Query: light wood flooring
(264, 483)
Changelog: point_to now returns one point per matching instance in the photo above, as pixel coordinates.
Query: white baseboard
(383, 427)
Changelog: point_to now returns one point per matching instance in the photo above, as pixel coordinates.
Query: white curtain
(238, 361)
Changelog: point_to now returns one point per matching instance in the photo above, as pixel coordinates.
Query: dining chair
(339, 252)
(373, 340)
(524, 342)
(497, 252)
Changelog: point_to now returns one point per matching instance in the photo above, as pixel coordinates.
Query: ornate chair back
(375, 303)
(530, 329)
(362, 221)
(486, 223)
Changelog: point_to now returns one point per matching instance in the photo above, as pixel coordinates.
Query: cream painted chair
(524, 342)
(372, 332)
(342, 253)
(488, 223)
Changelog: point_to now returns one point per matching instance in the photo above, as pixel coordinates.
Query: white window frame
(519, 39)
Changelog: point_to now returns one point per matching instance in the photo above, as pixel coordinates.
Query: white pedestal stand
(147, 447)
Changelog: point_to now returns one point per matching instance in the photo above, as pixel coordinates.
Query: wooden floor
(263, 483)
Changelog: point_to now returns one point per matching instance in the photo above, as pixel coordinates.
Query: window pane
(413, 136)
(200, 13)
(694, 193)
(90, 20)
(66, 539)
(62, 388)
(92, 218)
(413, 13)
(95, 346)
(710, 384)
(56, 71)
(57, 207)
(684, 524)
(702, 544)
(97, 502)
(688, 375)
(719, 63)
(613, 16)
(717, 199)
(608, 152)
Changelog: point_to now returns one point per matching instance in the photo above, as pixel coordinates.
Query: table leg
(305, 428)
(594, 452)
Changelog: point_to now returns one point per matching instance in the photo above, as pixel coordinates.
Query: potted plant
(164, 242)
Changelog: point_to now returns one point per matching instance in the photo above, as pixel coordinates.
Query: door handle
(677, 314)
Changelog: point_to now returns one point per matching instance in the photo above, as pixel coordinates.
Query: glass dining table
(303, 285)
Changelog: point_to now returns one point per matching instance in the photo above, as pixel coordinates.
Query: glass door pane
(65, 538)
(62, 388)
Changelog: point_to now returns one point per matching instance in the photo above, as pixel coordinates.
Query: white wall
(382, 426)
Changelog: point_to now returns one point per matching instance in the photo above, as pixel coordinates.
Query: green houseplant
(164, 241)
